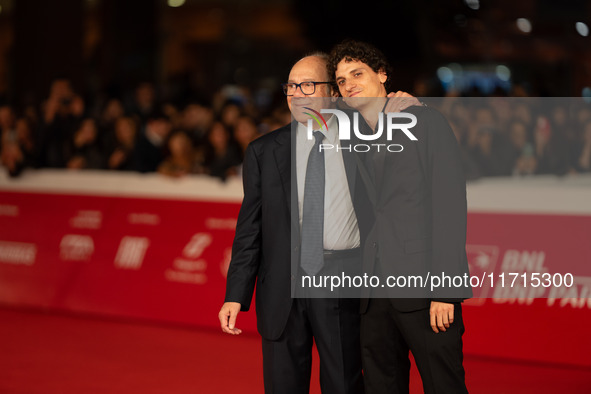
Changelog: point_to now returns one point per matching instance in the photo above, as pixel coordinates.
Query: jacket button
(293, 277)
(374, 244)
(295, 249)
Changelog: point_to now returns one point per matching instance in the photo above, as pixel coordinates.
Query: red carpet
(63, 354)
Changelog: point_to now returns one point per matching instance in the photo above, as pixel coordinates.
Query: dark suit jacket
(420, 211)
(267, 233)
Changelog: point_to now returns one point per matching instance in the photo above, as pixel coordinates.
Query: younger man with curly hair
(419, 228)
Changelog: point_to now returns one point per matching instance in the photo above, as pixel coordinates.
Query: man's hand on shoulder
(227, 317)
(402, 101)
(442, 315)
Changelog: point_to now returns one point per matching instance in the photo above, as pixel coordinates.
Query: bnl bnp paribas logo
(345, 130)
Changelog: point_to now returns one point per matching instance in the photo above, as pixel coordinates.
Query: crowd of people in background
(498, 136)
(521, 136)
(142, 134)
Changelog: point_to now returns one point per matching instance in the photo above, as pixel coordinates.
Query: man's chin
(301, 118)
(357, 102)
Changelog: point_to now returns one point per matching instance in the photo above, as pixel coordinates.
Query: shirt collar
(332, 136)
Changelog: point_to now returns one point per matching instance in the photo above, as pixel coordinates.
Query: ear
(334, 93)
(382, 75)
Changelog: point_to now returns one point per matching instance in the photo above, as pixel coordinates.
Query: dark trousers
(334, 325)
(387, 335)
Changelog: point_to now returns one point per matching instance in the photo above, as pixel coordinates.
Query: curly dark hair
(352, 50)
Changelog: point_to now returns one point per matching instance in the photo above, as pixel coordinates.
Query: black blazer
(420, 211)
(267, 231)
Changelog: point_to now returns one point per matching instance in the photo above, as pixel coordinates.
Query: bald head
(309, 69)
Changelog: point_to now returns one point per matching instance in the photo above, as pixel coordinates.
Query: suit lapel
(350, 167)
(284, 153)
(366, 164)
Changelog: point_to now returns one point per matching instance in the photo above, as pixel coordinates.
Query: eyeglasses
(307, 87)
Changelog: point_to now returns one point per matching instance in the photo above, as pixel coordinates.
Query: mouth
(354, 93)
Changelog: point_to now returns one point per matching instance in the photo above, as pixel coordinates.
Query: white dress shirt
(340, 223)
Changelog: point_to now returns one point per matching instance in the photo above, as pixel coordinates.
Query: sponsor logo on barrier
(523, 277)
(220, 224)
(188, 265)
(75, 247)
(143, 218)
(481, 258)
(197, 245)
(185, 277)
(17, 253)
(87, 219)
(516, 261)
(131, 252)
(190, 268)
(577, 296)
(8, 210)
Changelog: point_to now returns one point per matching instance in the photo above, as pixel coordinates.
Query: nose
(349, 85)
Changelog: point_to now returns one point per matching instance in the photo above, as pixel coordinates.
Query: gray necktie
(312, 258)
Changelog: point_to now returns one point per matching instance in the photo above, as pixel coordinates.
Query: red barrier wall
(116, 249)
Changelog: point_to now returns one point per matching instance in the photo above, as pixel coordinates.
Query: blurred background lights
(503, 72)
(473, 4)
(524, 25)
(461, 20)
(176, 3)
(586, 93)
(582, 29)
(445, 74)
(455, 68)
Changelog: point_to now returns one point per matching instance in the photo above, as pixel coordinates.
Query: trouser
(333, 324)
(387, 335)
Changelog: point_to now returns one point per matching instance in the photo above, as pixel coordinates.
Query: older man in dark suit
(267, 241)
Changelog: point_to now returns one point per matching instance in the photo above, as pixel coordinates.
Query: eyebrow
(350, 72)
(305, 80)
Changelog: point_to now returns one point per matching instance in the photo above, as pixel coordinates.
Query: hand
(82, 138)
(403, 101)
(77, 106)
(227, 317)
(117, 158)
(50, 110)
(76, 163)
(442, 315)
